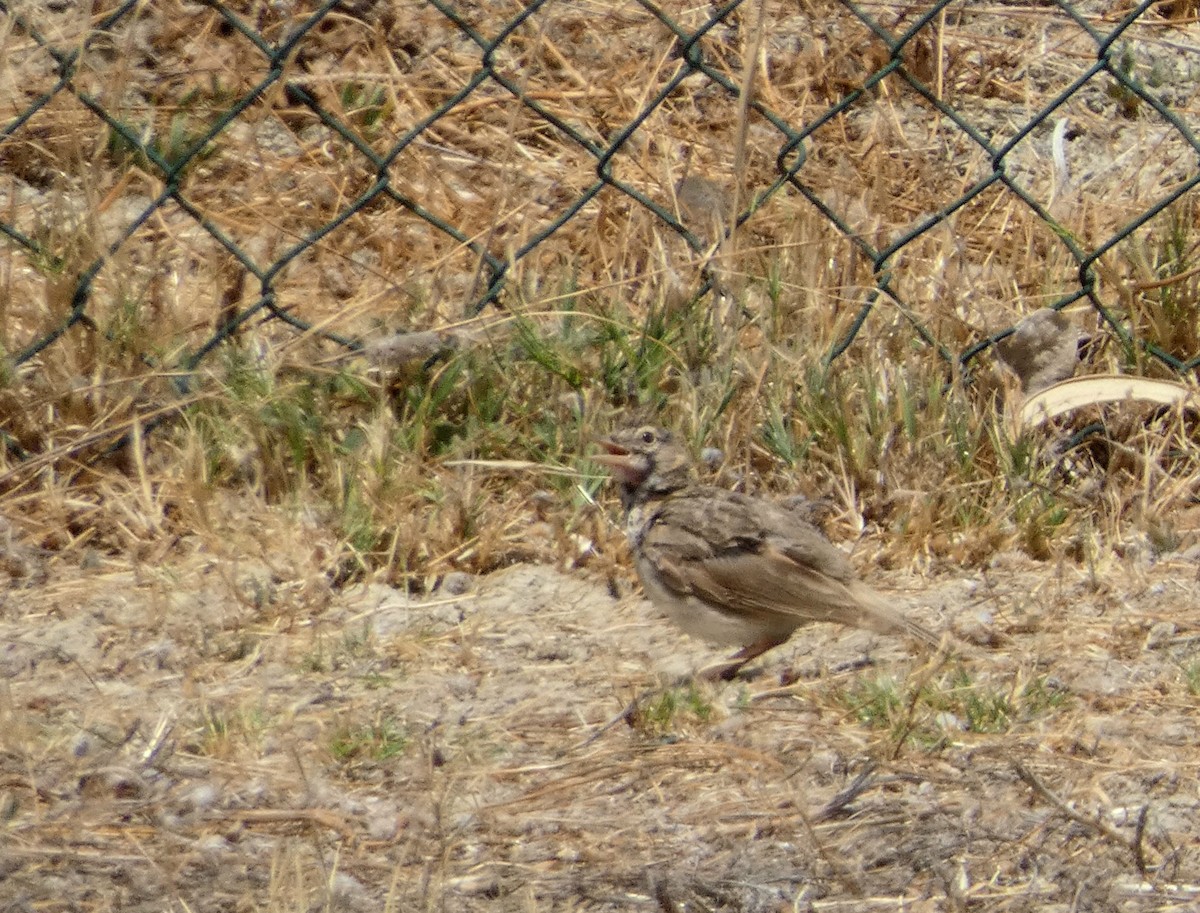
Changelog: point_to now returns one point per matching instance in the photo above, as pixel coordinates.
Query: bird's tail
(879, 613)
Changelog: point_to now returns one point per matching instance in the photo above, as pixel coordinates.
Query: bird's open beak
(626, 467)
(611, 448)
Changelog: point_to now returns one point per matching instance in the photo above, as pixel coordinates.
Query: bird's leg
(727, 671)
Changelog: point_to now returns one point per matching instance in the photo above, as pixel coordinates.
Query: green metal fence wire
(280, 32)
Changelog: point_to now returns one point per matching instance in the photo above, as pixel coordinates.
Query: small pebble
(456, 583)
(1160, 635)
(204, 796)
(950, 722)
(712, 457)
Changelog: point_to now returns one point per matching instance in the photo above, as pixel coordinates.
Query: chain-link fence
(208, 166)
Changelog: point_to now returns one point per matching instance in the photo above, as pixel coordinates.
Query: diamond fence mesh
(306, 168)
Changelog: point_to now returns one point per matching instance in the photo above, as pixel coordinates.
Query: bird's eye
(647, 437)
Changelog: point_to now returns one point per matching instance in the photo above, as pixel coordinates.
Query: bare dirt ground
(222, 734)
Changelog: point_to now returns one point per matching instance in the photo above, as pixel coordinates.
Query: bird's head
(646, 461)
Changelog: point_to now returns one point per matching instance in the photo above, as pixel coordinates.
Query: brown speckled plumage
(730, 568)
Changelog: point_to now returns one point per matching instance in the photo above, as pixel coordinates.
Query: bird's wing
(753, 558)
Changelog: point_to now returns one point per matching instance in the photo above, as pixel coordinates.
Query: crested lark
(730, 568)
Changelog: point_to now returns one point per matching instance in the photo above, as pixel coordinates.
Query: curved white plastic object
(1100, 388)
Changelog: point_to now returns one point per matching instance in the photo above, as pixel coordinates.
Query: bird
(730, 568)
(703, 208)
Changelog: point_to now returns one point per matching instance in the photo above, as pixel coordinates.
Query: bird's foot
(729, 671)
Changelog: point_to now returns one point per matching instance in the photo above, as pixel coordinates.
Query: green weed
(375, 742)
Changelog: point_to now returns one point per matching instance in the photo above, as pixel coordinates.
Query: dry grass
(209, 684)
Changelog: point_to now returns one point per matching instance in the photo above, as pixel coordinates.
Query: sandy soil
(217, 735)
